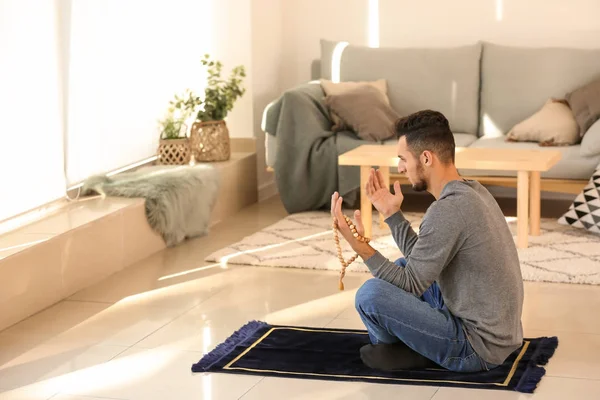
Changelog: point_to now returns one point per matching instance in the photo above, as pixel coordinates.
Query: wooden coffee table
(527, 163)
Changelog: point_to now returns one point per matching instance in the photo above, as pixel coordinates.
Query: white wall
(232, 44)
(511, 22)
(406, 23)
(267, 63)
(305, 23)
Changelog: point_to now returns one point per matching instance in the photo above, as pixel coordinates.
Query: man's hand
(385, 202)
(363, 249)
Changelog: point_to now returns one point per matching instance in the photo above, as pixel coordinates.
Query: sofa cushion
(331, 88)
(554, 124)
(442, 79)
(516, 82)
(585, 103)
(327, 50)
(584, 212)
(590, 145)
(365, 110)
(464, 139)
(571, 166)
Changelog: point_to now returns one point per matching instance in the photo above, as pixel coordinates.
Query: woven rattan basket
(210, 141)
(174, 152)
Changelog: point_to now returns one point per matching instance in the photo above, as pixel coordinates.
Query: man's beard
(421, 184)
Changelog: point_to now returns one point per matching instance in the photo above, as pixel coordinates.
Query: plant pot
(210, 141)
(174, 152)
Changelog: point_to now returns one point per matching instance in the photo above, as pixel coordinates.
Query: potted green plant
(174, 145)
(209, 135)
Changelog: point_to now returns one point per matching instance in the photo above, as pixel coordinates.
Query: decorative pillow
(585, 210)
(365, 110)
(553, 125)
(590, 144)
(585, 103)
(331, 88)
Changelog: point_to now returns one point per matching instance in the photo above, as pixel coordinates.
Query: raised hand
(378, 193)
(337, 214)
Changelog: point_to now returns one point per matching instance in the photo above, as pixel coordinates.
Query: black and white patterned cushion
(585, 210)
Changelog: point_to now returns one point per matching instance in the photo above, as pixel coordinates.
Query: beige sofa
(484, 89)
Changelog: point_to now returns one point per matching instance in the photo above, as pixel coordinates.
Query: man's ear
(427, 158)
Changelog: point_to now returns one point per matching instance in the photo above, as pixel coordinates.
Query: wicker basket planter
(210, 141)
(174, 152)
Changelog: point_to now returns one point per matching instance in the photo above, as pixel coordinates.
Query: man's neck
(449, 174)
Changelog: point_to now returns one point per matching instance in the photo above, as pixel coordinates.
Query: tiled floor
(136, 334)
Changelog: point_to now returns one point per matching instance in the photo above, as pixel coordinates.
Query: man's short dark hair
(427, 130)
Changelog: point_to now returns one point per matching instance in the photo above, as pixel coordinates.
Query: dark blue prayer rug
(333, 354)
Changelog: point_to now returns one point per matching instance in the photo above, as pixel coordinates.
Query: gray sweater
(465, 245)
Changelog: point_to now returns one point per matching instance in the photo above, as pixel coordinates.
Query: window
(31, 131)
(83, 84)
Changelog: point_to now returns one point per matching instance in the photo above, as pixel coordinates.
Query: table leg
(522, 209)
(385, 171)
(365, 204)
(535, 201)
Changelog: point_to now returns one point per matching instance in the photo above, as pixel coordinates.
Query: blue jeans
(424, 324)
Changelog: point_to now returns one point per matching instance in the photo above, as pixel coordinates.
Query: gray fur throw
(179, 199)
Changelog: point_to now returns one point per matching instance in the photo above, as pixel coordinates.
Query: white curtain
(127, 60)
(83, 84)
(31, 134)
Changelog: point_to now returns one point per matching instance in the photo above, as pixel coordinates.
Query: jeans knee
(368, 293)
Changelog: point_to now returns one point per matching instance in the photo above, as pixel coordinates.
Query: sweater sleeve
(403, 234)
(439, 239)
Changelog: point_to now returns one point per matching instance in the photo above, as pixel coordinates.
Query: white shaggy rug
(305, 240)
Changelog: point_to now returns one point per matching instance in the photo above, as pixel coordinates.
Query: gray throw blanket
(306, 168)
(179, 199)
